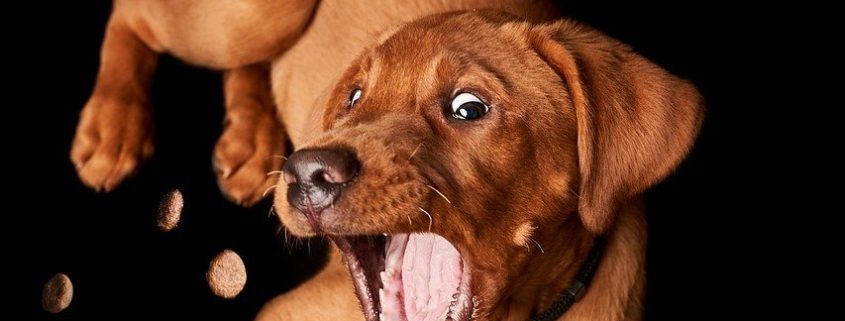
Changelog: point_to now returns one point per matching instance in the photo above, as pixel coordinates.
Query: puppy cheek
(291, 220)
(559, 184)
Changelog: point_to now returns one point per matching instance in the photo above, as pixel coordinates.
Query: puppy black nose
(316, 177)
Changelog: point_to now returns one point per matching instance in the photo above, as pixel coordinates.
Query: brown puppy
(599, 83)
(469, 161)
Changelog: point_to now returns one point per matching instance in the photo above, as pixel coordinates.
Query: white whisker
(576, 194)
(538, 245)
(278, 156)
(430, 219)
(439, 193)
(415, 151)
(275, 173)
(267, 190)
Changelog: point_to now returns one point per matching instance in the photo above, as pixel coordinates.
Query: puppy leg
(115, 127)
(328, 296)
(253, 139)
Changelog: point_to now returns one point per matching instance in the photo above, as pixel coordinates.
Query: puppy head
(477, 135)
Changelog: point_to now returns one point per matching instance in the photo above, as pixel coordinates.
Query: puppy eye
(354, 96)
(466, 106)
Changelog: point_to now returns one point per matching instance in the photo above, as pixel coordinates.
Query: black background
(123, 267)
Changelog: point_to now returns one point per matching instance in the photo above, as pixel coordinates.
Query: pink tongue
(430, 274)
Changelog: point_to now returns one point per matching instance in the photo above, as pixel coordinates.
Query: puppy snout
(316, 177)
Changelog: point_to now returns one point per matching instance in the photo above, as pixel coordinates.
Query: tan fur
(221, 34)
(522, 234)
(114, 134)
(252, 140)
(329, 295)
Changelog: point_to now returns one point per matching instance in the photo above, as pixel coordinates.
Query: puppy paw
(112, 138)
(250, 148)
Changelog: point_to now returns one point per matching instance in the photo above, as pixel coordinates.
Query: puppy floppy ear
(635, 121)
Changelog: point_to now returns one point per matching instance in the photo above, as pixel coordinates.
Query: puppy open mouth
(408, 277)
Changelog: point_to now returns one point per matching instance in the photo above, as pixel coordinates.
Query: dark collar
(575, 290)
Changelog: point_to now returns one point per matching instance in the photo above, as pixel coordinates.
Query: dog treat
(57, 293)
(170, 210)
(226, 274)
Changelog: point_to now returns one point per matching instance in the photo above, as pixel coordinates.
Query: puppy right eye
(466, 106)
(354, 96)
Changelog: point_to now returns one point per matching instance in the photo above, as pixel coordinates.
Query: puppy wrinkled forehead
(425, 64)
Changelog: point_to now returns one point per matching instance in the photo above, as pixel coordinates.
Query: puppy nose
(316, 177)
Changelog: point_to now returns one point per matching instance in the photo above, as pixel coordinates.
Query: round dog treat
(57, 293)
(170, 210)
(226, 274)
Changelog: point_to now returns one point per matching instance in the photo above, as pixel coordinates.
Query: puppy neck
(616, 289)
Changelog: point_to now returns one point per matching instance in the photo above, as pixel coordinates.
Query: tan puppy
(467, 163)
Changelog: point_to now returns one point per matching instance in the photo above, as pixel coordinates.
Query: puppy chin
(298, 229)
(295, 223)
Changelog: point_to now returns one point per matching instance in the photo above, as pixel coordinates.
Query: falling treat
(57, 293)
(170, 210)
(226, 274)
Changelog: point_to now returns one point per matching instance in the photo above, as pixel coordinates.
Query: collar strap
(575, 290)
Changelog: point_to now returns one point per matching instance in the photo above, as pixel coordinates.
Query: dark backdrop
(123, 267)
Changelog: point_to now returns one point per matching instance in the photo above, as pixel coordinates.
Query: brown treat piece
(170, 210)
(226, 274)
(57, 293)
